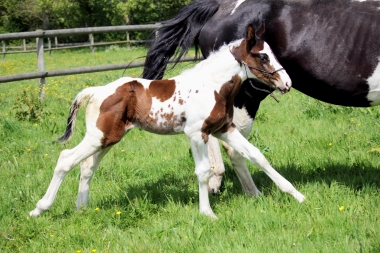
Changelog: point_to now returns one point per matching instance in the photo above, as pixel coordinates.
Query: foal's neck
(218, 68)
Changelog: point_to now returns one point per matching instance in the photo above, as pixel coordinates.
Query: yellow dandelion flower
(94, 250)
(79, 251)
(46, 155)
(28, 149)
(51, 235)
(122, 150)
(341, 208)
(330, 144)
(97, 209)
(35, 124)
(118, 213)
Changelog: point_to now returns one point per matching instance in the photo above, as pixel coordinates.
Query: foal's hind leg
(246, 149)
(87, 170)
(66, 161)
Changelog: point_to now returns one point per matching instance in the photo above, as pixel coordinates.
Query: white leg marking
(202, 170)
(246, 149)
(87, 170)
(374, 86)
(217, 165)
(244, 124)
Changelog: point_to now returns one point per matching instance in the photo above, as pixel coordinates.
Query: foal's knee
(86, 167)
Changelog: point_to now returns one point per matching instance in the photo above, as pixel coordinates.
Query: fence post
(3, 42)
(49, 45)
(24, 44)
(56, 42)
(128, 43)
(41, 65)
(92, 42)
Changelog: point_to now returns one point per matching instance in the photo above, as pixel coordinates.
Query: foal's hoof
(209, 214)
(300, 197)
(36, 212)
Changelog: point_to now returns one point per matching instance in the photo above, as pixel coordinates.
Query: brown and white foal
(198, 102)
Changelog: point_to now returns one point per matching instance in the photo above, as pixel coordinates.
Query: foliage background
(29, 15)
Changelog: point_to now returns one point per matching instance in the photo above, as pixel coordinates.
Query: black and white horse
(330, 49)
(198, 102)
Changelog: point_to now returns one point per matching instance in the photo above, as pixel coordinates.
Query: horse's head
(260, 63)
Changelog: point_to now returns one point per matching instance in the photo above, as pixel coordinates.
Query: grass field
(144, 197)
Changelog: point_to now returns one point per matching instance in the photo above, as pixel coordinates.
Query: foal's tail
(82, 96)
(179, 31)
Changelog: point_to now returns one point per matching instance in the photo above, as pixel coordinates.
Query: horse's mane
(179, 31)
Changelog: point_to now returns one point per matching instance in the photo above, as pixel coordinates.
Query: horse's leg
(243, 123)
(202, 170)
(246, 149)
(66, 161)
(216, 163)
(87, 170)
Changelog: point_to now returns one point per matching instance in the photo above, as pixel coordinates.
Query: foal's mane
(215, 56)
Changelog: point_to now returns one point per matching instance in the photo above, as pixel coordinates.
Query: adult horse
(330, 49)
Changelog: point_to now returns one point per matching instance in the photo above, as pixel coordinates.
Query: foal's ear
(260, 31)
(250, 38)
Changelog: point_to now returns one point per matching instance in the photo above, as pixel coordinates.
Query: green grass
(324, 150)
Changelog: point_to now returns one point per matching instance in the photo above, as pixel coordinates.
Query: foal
(198, 102)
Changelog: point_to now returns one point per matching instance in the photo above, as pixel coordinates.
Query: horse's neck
(217, 69)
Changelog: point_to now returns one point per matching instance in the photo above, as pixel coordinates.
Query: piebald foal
(198, 102)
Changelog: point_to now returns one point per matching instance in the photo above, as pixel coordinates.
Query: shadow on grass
(181, 190)
(355, 177)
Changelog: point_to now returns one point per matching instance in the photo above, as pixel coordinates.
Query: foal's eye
(264, 58)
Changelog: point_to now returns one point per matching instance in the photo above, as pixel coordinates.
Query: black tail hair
(180, 31)
(70, 123)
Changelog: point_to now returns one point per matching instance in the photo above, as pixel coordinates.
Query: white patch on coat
(238, 3)
(374, 86)
(274, 62)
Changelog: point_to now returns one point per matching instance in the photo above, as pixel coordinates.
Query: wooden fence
(40, 35)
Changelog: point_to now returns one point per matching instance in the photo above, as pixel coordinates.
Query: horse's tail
(82, 96)
(179, 31)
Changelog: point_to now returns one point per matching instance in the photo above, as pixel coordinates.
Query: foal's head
(260, 62)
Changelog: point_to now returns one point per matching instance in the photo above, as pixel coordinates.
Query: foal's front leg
(202, 170)
(253, 154)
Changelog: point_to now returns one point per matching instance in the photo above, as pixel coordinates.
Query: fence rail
(82, 70)
(77, 31)
(41, 34)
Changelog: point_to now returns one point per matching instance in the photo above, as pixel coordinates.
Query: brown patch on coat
(220, 119)
(162, 89)
(129, 103)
